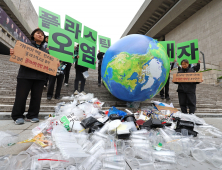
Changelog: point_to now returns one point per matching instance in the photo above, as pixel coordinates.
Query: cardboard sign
(87, 54)
(61, 44)
(31, 57)
(104, 43)
(187, 77)
(73, 26)
(172, 110)
(47, 18)
(90, 34)
(188, 50)
(170, 48)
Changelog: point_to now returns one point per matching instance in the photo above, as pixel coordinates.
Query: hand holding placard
(34, 58)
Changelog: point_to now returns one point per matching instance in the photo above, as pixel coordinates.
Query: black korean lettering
(88, 59)
(90, 35)
(67, 26)
(90, 50)
(49, 19)
(184, 51)
(103, 43)
(193, 51)
(61, 49)
(72, 25)
(170, 50)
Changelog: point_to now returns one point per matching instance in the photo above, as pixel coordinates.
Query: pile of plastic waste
(81, 135)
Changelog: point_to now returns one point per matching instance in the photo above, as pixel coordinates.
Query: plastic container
(165, 156)
(198, 154)
(129, 153)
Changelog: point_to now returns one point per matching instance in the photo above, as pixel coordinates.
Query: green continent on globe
(124, 65)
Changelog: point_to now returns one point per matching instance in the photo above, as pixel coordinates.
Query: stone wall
(27, 11)
(206, 26)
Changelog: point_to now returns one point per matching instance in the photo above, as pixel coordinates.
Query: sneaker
(83, 93)
(99, 84)
(19, 121)
(76, 92)
(162, 97)
(34, 120)
(49, 98)
(66, 84)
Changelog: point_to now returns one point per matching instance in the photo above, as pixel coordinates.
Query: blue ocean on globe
(135, 68)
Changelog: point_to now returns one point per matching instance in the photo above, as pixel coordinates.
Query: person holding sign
(187, 90)
(79, 73)
(100, 58)
(28, 80)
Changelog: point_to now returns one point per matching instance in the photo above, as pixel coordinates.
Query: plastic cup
(164, 165)
(165, 156)
(117, 158)
(129, 153)
(183, 159)
(114, 165)
(20, 160)
(146, 155)
(198, 154)
(4, 162)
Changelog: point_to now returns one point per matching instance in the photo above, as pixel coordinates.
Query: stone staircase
(209, 100)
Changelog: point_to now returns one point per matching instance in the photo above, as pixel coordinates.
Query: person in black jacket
(187, 91)
(29, 80)
(79, 70)
(68, 68)
(166, 87)
(100, 58)
(195, 68)
(59, 80)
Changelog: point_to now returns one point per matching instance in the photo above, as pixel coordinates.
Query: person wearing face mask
(29, 80)
(187, 90)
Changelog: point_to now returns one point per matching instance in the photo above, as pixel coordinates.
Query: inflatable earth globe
(135, 68)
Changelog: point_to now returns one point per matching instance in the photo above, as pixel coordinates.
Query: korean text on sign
(90, 35)
(47, 18)
(61, 44)
(188, 50)
(87, 54)
(31, 57)
(170, 48)
(104, 43)
(73, 26)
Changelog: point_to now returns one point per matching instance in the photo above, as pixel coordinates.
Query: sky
(109, 18)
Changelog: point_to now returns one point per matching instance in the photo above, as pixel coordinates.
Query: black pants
(166, 89)
(187, 99)
(68, 67)
(47, 79)
(59, 80)
(79, 77)
(99, 74)
(24, 86)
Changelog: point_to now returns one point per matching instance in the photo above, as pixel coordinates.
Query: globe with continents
(135, 68)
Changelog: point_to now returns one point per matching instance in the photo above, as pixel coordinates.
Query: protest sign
(31, 57)
(73, 26)
(61, 44)
(47, 18)
(170, 49)
(172, 110)
(90, 34)
(87, 53)
(188, 50)
(104, 43)
(187, 77)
